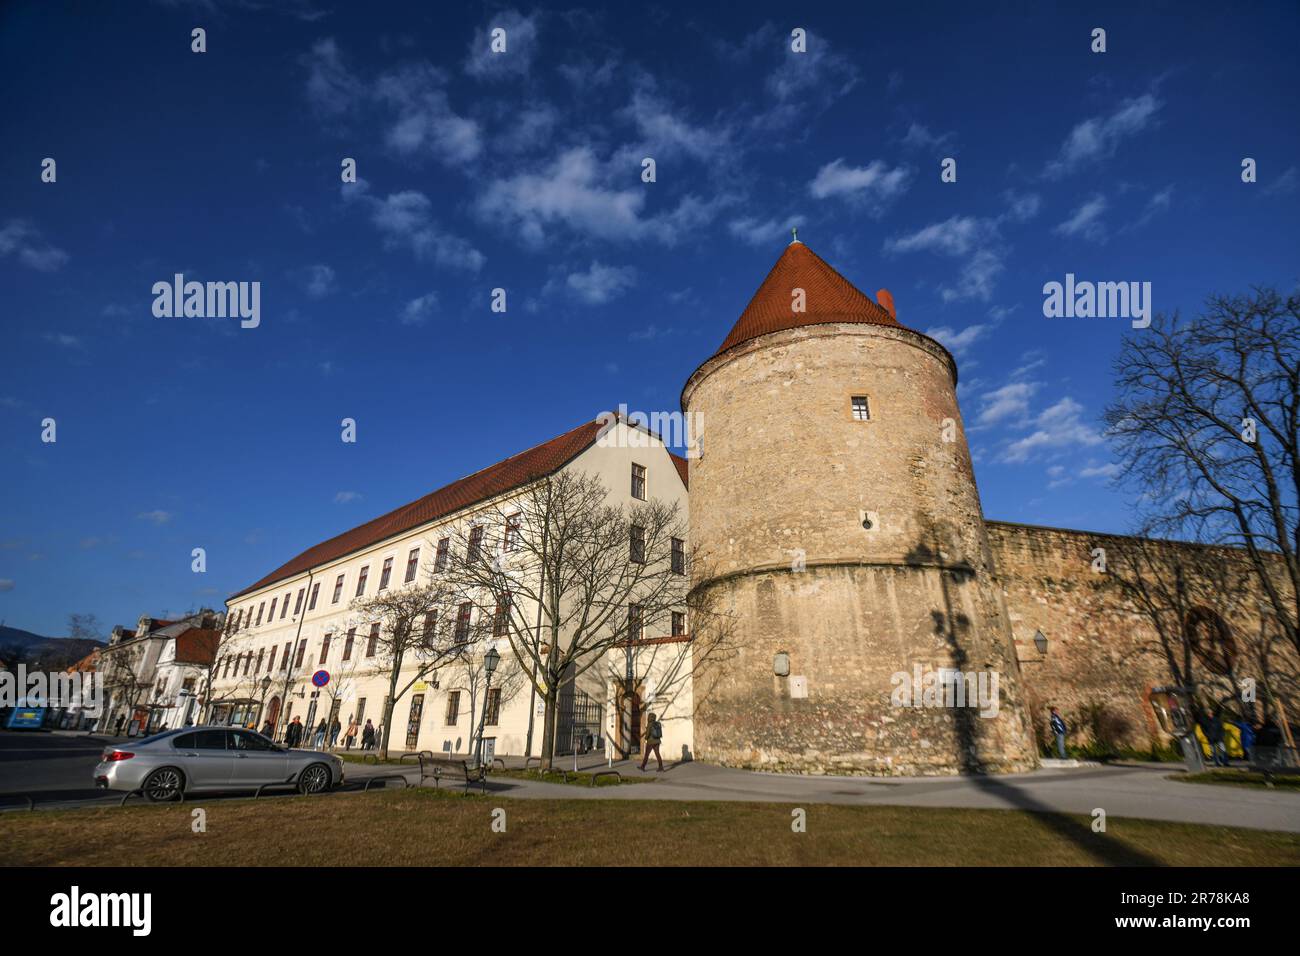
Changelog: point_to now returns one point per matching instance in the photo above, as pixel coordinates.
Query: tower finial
(794, 231)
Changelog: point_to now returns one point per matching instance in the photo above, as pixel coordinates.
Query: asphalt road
(49, 767)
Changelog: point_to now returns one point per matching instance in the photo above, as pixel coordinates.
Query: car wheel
(163, 785)
(314, 779)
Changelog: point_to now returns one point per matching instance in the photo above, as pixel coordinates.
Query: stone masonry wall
(1104, 649)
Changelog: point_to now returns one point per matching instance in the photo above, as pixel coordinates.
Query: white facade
(300, 612)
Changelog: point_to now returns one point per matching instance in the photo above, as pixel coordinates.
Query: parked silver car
(196, 759)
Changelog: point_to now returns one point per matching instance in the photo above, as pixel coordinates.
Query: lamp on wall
(1040, 642)
(781, 664)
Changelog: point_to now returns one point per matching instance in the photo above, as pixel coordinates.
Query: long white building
(300, 619)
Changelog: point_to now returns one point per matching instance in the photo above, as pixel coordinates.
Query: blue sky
(522, 171)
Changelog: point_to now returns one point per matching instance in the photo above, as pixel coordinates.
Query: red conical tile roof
(828, 297)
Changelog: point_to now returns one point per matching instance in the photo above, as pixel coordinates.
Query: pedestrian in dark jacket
(1214, 734)
(368, 737)
(321, 730)
(293, 733)
(268, 729)
(1059, 729)
(654, 733)
(335, 729)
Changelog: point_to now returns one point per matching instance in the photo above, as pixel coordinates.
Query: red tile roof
(829, 297)
(682, 467)
(494, 480)
(197, 646)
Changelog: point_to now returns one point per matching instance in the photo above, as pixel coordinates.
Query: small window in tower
(861, 409)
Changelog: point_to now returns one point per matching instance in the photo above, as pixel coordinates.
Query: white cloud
(975, 240)
(1097, 138)
(425, 124)
(318, 280)
(157, 516)
(64, 340)
(1059, 426)
(874, 185)
(757, 232)
(601, 283)
(516, 59)
(6, 584)
(958, 342)
(1086, 221)
(1286, 183)
(1009, 401)
(19, 238)
(332, 89)
(405, 219)
(955, 236)
(419, 309)
(1093, 470)
(344, 497)
(920, 137)
(574, 192)
(665, 133)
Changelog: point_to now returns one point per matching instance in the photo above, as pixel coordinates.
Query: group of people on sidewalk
(295, 733)
(1215, 728)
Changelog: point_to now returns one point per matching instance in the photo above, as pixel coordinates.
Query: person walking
(318, 743)
(268, 729)
(1214, 734)
(335, 729)
(368, 737)
(293, 733)
(350, 737)
(1059, 729)
(654, 733)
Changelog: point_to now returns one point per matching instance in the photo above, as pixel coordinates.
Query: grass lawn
(422, 827)
(1241, 778)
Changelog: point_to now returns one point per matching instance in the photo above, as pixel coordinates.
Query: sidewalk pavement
(1122, 791)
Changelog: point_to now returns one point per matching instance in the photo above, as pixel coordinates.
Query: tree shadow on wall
(953, 627)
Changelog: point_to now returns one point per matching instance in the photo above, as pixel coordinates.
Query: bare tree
(1187, 593)
(567, 579)
(412, 638)
(1206, 429)
(227, 656)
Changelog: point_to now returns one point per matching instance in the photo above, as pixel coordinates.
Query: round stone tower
(838, 525)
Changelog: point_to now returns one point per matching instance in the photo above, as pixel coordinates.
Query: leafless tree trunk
(415, 637)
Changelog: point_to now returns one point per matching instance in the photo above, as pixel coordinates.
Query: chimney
(886, 302)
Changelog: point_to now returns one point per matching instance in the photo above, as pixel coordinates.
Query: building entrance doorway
(628, 702)
(273, 713)
(413, 722)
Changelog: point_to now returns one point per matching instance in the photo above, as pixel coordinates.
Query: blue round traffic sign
(320, 678)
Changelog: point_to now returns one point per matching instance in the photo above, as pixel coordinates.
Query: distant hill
(16, 644)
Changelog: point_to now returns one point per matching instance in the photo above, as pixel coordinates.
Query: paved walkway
(1122, 791)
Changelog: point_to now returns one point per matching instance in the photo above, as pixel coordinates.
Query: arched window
(1211, 641)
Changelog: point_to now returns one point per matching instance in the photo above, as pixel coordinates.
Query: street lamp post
(266, 685)
(490, 661)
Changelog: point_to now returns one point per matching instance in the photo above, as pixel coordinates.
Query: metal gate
(580, 728)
